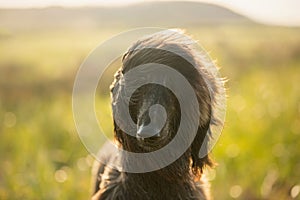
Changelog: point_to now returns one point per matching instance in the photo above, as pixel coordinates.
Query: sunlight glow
(279, 12)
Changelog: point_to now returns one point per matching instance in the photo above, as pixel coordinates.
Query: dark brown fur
(183, 178)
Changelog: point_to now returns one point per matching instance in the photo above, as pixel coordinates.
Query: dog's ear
(198, 164)
(205, 101)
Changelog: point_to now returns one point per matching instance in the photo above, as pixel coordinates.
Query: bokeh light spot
(235, 191)
(295, 191)
(278, 150)
(232, 150)
(82, 164)
(10, 119)
(61, 175)
(268, 182)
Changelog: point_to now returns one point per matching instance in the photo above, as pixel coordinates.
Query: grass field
(257, 154)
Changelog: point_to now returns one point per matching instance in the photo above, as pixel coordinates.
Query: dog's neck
(154, 185)
(176, 173)
(175, 179)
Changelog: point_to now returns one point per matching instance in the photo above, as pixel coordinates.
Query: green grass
(43, 158)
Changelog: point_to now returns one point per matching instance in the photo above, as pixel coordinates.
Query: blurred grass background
(43, 158)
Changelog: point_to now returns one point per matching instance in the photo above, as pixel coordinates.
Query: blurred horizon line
(258, 13)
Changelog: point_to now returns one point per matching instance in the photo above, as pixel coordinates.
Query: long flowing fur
(183, 179)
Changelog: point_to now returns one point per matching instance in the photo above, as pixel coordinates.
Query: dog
(183, 178)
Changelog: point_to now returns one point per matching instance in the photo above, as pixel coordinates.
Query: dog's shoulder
(108, 181)
(109, 184)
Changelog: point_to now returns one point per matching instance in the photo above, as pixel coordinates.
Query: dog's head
(187, 61)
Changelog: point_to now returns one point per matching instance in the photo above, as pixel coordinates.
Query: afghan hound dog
(184, 177)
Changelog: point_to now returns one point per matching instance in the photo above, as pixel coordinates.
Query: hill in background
(175, 14)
